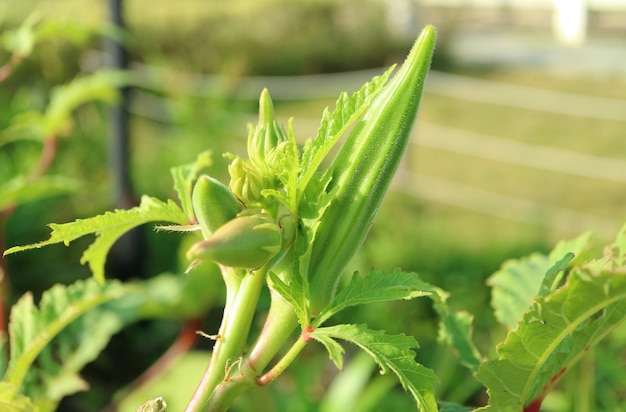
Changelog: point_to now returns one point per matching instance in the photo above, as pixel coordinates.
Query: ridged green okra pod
(363, 169)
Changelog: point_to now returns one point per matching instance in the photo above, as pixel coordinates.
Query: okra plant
(291, 218)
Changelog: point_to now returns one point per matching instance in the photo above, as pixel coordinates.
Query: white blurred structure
(569, 17)
(570, 21)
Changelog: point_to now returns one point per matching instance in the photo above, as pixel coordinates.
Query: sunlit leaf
(392, 353)
(552, 336)
(518, 281)
(108, 228)
(377, 286)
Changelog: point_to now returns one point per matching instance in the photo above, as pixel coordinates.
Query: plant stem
(233, 334)
(225, 393)
(279, 326)
(285, 361)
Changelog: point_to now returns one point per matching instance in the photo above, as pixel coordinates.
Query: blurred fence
(434, 188)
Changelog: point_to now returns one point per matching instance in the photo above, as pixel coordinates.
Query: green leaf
(21, 190)
(553, 335)
(100, 86)
(377, 286)
(284, 163)
(108, 227)
(515, 285)
(455, 328)
(290, 277)
(293, 293)
(335, 350)
(51, 343)
(184, 178)
(391, 352)
(453, 407)
(32, 330)
(519, 280)
(12, 401)
(555, 274)
(334, 124)
(153, 405)
(21, 41)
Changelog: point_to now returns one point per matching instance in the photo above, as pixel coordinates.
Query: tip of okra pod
(424, 46)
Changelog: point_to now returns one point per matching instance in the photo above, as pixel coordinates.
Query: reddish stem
(183, 344)
(47, 156)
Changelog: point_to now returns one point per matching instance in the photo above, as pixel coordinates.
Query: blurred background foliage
(457, 212)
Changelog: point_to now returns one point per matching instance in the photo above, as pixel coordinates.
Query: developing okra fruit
(363, 169)
(247, 241)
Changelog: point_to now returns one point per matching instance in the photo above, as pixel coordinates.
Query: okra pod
(363, 168)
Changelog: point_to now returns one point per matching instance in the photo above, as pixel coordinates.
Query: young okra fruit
(362, 171)
(247, 241)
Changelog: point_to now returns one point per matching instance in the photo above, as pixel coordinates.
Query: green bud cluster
(248, 178)
(241, 227)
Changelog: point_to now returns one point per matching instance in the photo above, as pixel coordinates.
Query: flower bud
(246, 181)
(213, 204)
(248, 241)
(266, 135)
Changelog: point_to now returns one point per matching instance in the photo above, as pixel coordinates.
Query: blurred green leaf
(20, 189)
(33, 30)
(515, 285)
(65, 99)
(453, 407)
(175, 386)
(350, 386)
(153, 405)
(100, 86)
(12, 401)
(21, 40)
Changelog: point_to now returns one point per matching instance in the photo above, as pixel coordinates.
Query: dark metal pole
(125, 259)
(118, 116)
